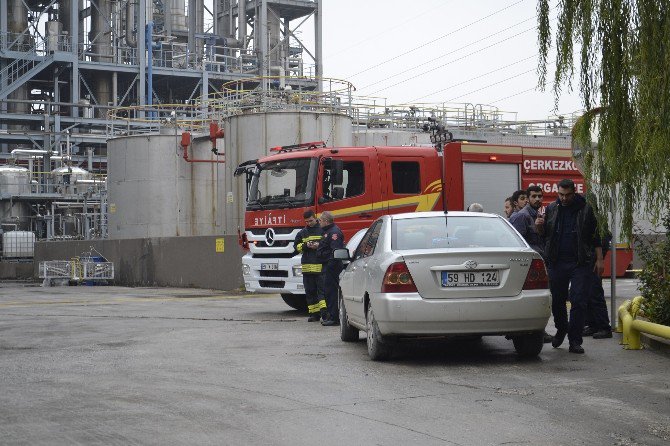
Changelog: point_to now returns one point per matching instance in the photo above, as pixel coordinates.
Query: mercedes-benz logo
(270, 237)
(471, 264)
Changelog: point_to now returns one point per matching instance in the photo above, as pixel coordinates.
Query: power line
(513, 95)
(404, 22)
(493, 84)
(435, 40)
(449, 53)
(452, 61)
(474, 78)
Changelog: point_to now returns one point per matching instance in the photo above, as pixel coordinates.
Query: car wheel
(297, 301)
(529, 345)
(347, 332)
(378, 349)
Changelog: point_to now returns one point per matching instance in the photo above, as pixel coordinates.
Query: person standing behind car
(519, 200)
(572, 242)
(332, 239)
(307, 242)
(529, 222)
(509, 207)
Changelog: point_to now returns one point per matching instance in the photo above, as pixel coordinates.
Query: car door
(358, 273)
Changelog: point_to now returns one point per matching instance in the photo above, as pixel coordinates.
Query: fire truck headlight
(246, 269)
(297, 270)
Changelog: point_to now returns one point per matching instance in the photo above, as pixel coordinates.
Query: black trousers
(569, 281)
(331, 286)
(313, 292)
(596, 307)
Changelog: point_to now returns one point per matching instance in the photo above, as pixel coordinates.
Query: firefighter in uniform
(332, 239)
(307, 242)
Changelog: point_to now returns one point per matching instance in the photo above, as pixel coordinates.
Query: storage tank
(14, 180)
(384, 137)
(154, 192)
(18, 244)
(65, 178)
(251, 135)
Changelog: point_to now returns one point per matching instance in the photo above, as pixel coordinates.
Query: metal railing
(631, 327)
(273, 93)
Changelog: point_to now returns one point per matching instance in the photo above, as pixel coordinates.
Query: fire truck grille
(276, 244)
(272, 283)
(260, 231)
(274, 273)
(282, 255)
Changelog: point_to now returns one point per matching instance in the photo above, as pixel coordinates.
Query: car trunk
(467, 273)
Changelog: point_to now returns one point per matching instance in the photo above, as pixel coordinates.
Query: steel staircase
(23, 69)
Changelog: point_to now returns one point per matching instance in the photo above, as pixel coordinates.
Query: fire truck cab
(359, 184)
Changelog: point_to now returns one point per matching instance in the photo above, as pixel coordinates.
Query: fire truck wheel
(296, 301)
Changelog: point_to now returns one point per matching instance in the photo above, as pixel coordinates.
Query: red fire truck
(359, 184)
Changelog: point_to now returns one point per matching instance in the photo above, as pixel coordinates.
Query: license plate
(269, 266)
(470, 278)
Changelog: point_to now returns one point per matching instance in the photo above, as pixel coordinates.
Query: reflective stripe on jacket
(310, 261)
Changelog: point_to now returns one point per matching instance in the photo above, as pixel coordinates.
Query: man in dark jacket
(571, 233)
(332, 239)
(597, 319)
(307, 242)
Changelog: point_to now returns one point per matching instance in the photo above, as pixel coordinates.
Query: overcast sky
(435, 51)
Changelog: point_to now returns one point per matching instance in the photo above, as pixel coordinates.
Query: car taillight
(398, 279)
(536, 279)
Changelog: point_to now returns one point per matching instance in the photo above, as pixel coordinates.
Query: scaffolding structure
(64, 64)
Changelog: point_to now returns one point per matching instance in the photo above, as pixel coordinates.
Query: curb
(655, 343)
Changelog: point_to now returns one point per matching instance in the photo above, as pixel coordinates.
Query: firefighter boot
(313, 317)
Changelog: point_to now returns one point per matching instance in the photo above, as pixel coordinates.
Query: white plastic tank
(18, 244)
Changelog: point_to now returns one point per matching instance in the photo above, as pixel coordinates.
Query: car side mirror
(342, 254)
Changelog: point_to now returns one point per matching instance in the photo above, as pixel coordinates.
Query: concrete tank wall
(154, 192)
(250, 136)
(381, 137)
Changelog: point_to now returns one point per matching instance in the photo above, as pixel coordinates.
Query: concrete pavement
(112, 365)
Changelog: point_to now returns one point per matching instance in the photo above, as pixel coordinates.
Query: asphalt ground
(113, 365)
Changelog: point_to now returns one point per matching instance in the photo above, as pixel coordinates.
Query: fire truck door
(350, 202)
(405, 181)
(489, 184)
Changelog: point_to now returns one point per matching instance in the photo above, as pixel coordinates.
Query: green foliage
(655, 277)
(624, 81)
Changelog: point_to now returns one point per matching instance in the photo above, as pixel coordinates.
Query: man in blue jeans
(572, 242)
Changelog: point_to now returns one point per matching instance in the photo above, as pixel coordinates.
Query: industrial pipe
(215, 133)
(185, 142)
(32, 152)
(631, 327)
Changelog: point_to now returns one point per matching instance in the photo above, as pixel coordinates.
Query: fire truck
(359, 184)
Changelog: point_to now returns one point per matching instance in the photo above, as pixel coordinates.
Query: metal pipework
(32, 152)
(632, 327)
(186, 142)
(131, 24)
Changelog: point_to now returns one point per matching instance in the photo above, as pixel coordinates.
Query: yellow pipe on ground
(631, 327)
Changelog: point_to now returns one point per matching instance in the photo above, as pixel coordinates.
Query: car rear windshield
(453, 232)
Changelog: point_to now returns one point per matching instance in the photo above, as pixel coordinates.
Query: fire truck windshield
(283, 184)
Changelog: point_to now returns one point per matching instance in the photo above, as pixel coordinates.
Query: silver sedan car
(435, 274)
